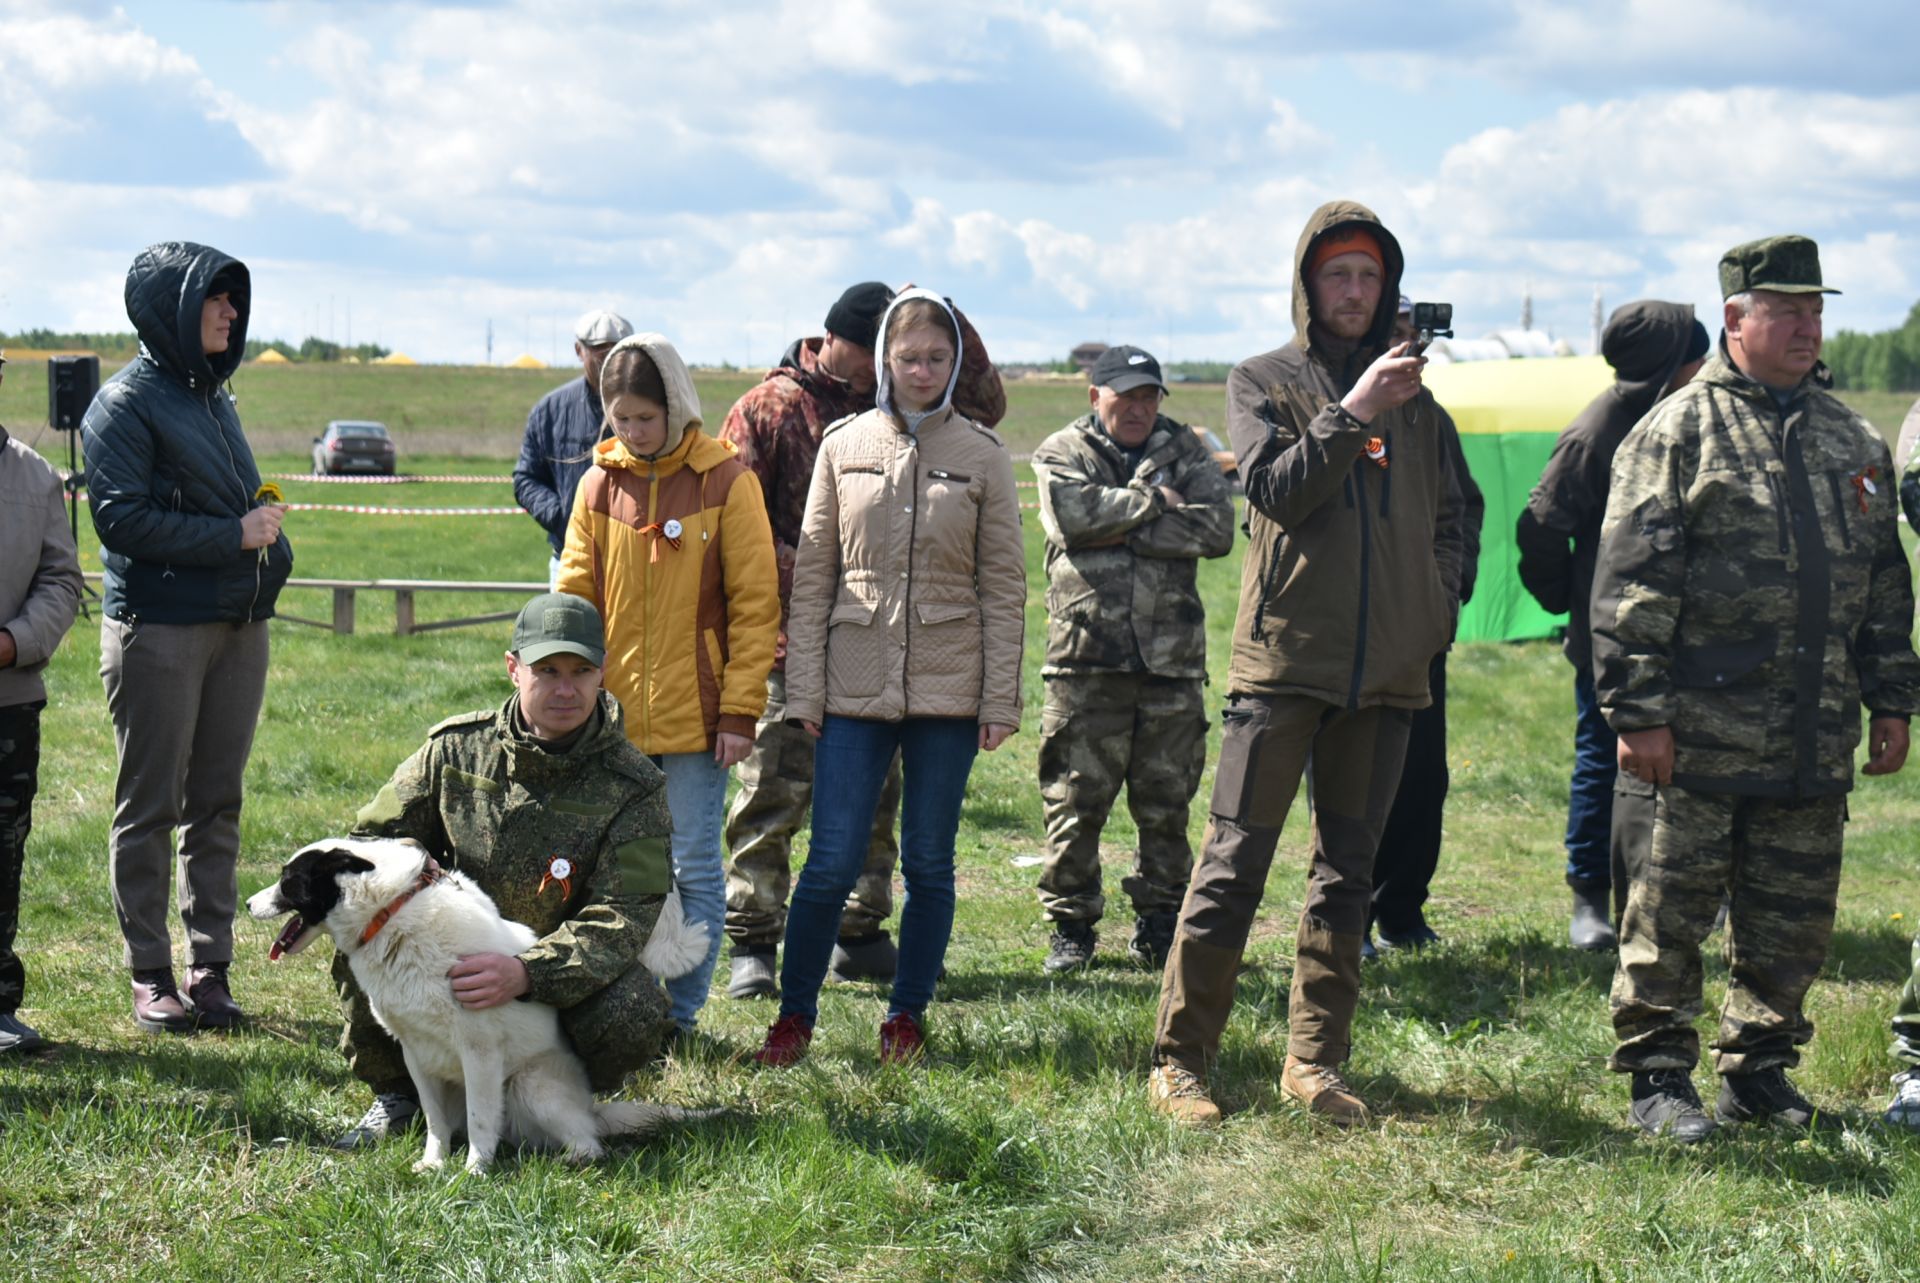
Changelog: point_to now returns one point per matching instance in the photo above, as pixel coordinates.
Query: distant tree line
(1885, 362)
(122, 347)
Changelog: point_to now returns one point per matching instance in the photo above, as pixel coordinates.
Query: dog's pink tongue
(286, 938)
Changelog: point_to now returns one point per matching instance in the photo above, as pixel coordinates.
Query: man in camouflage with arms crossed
(776, 427)
(546, 806)
(1130, 500)
(1750, 596)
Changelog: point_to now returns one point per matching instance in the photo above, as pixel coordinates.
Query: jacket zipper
(1386, 474)
(260, 558)
(646, 613)
(913, 534)
(1840, 510)
(1366, 565)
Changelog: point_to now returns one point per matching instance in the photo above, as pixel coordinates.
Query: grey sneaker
(1589, 929)
(753, 976)
(1665, 1104)
(1071, 948)
(871, 957)
(391, 1113)
(1904, 1109)
(17, 1035)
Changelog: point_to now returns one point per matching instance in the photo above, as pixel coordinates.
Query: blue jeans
(850, 763)
(1590, 803)
(697, 797)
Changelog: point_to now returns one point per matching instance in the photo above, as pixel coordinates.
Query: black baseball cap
(555, 623)
(1124, 368)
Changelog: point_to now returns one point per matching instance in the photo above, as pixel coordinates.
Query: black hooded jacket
(1558, 532)
(169, 473)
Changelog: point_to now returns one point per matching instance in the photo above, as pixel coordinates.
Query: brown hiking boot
(1323, 1091)
(213, 1004)
(157, 1007)
(1179, 1093)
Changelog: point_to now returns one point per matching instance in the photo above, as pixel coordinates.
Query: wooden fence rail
(405, 621)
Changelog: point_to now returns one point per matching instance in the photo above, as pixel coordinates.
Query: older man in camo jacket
(1750, 596)
(1130, 501)
(543, 803)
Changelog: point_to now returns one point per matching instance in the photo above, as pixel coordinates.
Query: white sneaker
(1904, 1109)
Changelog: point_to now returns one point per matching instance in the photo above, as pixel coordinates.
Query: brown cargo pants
(1267, 745)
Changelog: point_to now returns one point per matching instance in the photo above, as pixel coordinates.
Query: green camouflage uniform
(1752, 595)
(486, 799)
(1126, 654)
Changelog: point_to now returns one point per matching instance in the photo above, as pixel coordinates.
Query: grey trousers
(184, 699)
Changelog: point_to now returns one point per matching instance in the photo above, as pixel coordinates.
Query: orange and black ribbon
(559, 873)
(658, 533)
(1377, 450)
(1863, 486)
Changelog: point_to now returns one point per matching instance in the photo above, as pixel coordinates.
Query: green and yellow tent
(1509, 414)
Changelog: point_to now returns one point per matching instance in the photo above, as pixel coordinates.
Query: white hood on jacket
(883, 394)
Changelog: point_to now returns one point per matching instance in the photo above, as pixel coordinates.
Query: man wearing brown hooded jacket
(1350, 587)
(1654, 349)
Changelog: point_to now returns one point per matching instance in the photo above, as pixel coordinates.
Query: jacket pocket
(1723, 664)
(1238, 794)
(854, 666)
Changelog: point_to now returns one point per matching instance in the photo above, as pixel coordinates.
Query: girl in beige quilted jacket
(905, 636)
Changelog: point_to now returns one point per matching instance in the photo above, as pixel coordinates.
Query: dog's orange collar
(429, 875)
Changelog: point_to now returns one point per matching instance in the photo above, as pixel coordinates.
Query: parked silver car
(353, 445)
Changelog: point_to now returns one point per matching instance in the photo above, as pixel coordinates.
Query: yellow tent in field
(271, 356)
(526, 361)
(1509, 414)
(397, 358)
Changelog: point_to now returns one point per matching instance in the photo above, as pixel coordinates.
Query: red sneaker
(786, 1043)
(901, 1042)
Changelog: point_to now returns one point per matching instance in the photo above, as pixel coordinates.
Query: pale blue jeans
(697, 798)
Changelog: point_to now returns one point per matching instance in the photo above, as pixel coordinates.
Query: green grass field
(1024, 1149)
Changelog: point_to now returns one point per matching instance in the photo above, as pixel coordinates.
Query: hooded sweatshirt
(910, 584)
(675, 551)
(1351, 583)
(1559, 530)
(169, 472)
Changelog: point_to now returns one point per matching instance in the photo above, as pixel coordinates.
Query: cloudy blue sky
(1127, 170)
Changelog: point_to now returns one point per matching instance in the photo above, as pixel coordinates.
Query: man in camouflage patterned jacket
(501, 795)
(1130, 501)
(1750, 596)
(776, 428)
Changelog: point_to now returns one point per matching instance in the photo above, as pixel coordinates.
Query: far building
(1086, 354)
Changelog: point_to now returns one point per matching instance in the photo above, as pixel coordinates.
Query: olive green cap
(1787, 264)
(555, 623)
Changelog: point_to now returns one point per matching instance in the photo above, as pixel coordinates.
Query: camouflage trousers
(1906, 1017)
(775, 797)
(614, 1030)
(1099, 731)
(19, 780)
(1778, 861)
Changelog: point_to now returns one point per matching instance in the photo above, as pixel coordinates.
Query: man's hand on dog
(483, 980)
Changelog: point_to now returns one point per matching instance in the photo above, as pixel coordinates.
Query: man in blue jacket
(564, 427)
(194, 561)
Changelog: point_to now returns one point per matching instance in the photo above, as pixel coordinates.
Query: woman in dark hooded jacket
(194, 561)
